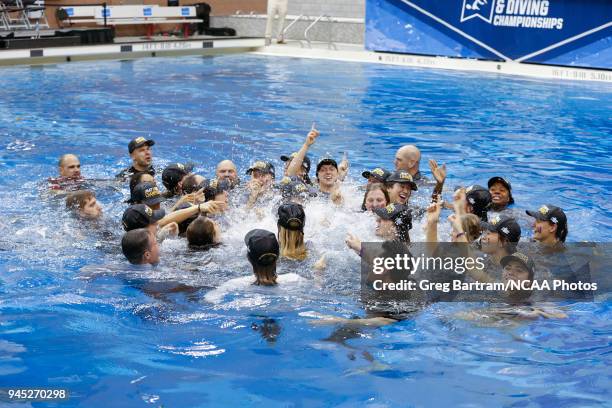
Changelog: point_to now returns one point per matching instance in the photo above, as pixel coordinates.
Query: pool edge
(354, 54)
(129, 50)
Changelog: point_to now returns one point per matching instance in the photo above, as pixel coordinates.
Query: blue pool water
(73, 315)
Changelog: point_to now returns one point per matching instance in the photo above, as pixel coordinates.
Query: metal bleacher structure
(20, 15)
(27, 18)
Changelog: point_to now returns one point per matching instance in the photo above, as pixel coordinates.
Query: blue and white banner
(559, 32)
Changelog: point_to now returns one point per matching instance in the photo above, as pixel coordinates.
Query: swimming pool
(74, 316)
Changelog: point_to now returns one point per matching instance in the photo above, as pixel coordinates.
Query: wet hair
(201, 233)
(481, 213)
(561, 233)
(471, 226)
(136, 179)
(291, 243)
(134, 244)
(265, 274)
(374, 187)
(78, 199)
(190, 185)
(184, 225)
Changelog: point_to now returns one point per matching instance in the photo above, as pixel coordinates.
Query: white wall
(334, 8)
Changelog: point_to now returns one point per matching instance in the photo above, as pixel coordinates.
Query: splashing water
(74, 315)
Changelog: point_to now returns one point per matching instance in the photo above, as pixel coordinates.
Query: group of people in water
(191, 207)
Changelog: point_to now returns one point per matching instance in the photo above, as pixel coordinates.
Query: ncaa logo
(483, 9)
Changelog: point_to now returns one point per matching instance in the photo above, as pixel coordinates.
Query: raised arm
(439, 174)
(296, 162)
(343, 168)
(433, 216)
(181, 215)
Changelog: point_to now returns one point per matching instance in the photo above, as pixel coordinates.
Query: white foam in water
(198, 349)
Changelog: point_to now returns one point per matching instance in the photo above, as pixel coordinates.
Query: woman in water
(393, 223)
(291, 220)
(376, 196)
(501, 193)
(263, 251)
(499, 239)
(203, 233)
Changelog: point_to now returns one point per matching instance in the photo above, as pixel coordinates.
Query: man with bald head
(69, 178)
(69, 166)
(226, 170)
(408, 158)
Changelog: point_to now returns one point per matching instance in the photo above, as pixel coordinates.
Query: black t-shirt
(128, 172)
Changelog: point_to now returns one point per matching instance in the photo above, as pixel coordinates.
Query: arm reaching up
(296, 162)
(343, 168)
(433, 216)
(439, 174)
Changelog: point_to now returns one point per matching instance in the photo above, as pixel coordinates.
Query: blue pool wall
(474, 29)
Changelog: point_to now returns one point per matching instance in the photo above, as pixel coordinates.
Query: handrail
(286, 29)
(322, 16)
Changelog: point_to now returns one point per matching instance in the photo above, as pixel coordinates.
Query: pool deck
(140, 47)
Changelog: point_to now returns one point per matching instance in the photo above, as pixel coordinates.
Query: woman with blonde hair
(291, 220)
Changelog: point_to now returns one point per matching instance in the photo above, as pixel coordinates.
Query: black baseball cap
(146, 193)
(139, 142)
(478, 197)
(291, 216)
(262, 246)
(141, 216)
(327, 160)
(214, 187)
(522, 258)
(504, 182)
(398, 213)
(261, 165)
(173, 173)
(295, 187)
(305, 162)
(401, 176)
(378, 173)
(505, 226)
(550, 213)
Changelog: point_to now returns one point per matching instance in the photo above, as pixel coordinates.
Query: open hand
(439, 173)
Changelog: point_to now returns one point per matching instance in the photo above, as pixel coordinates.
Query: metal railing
(330, 44)
(286, 29)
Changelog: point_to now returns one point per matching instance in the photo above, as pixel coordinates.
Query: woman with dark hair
(203, 233)
(478, 201)
(140, 177)
(501, 234)
(501, 193)
(263, 251)
(550, 225)
(393, 223)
